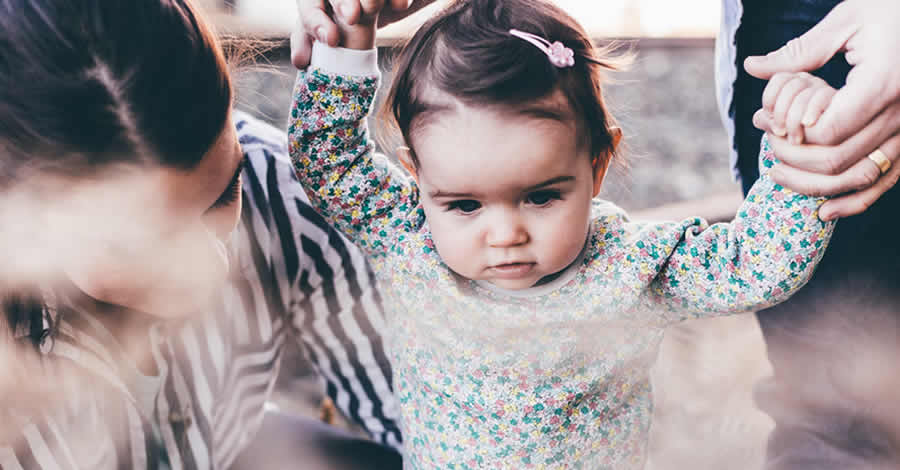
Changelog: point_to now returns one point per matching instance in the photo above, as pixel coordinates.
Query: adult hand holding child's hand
(863, 116)
(316, 20)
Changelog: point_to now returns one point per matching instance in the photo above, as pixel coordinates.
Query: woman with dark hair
(146, 313)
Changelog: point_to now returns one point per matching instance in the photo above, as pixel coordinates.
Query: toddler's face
(507, 197)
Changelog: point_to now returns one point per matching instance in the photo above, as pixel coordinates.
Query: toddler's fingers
(783, 102)
(793, 122)
(762, 120)
(770, 94)
(817, 105)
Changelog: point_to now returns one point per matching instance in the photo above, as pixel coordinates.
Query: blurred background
(607, 18)
(676, 165)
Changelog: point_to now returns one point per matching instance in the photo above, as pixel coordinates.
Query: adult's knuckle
(891, 179)
(834, 163)
(795, 48)
(860, 204)
(814, 190)
(866, 178)
(864, 204)
(830, 132)
(781, 77)
(894, 115)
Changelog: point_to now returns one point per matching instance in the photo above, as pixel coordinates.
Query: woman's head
(508, 148)
(109, 82)
(115, 128)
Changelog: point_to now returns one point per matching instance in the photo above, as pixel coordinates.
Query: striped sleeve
(330, 295)
(38, 442)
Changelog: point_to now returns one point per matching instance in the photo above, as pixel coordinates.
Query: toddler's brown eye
(541, 198)
(466, 206)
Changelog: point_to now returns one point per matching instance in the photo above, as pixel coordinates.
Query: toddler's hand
(344, 23)
(795, 101)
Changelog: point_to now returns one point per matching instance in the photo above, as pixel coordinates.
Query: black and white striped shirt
(296, 280)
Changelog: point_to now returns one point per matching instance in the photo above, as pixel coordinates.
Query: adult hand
(820, 169)
(863, 116)
(869, 32)
(826, 170)
(315, 22)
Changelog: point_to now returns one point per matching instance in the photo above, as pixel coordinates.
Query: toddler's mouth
(512, 270)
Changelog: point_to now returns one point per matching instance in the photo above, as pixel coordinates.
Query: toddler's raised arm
(364, 195)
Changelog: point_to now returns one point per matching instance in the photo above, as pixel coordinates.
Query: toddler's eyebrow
(438, 194)
(551, 182)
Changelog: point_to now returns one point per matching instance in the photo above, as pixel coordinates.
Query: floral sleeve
(367, 197)
(760, 259)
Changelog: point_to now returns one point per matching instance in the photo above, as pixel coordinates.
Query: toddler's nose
(507, 230)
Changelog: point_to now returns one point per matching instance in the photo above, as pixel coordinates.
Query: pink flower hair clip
(559, 55)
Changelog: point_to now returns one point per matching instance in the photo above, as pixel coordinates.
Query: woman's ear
(600, 163)
(405, 156)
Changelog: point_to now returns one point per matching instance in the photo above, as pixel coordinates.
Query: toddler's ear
(405, 156)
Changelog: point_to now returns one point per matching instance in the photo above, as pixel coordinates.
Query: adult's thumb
(809, 51)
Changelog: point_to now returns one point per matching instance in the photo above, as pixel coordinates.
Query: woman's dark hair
(467, 52)
(85, 83)
(90, 83)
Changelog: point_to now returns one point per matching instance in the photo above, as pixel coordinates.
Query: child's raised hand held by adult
(316, 21)
(855, 142)
(868, 32)
(793, 106)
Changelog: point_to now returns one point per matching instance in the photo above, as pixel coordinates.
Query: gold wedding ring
(880, 160)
